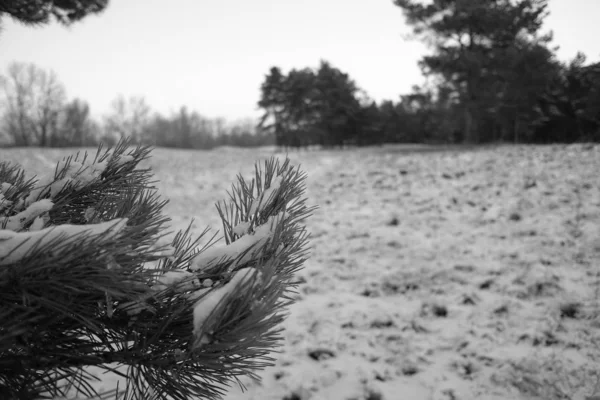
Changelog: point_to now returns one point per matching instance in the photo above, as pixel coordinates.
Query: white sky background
(213, 55)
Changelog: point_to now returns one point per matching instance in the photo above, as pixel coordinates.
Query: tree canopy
(306, 106)
(489, 52)
(36, 12)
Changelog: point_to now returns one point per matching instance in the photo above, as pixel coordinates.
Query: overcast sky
(212, 55)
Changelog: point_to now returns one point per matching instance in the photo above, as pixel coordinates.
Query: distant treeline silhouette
(492, 77)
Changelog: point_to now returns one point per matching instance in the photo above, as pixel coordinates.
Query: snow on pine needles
(455, 274)
(17, 242)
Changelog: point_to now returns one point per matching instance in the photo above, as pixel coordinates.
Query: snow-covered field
(446, 275)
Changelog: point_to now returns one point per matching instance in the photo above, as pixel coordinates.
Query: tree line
(36, 112)
(491, 76)
(496, 76)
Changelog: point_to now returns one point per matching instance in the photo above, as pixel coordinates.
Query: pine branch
(78, 289)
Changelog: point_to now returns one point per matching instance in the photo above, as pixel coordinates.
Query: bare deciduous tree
(128, 117)
(32, 101)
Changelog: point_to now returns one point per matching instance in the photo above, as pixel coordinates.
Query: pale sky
(213, 55)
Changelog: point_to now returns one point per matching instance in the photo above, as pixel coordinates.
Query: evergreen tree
(308, 107)
(470, 39)
(569, 109)
(338, 105)
(273, 101)
(36, 12)
(85, 282)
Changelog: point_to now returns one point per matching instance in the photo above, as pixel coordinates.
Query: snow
(266, 196)
(211, 303)
(18, 221)
(4, 203)
(76, 173)
(16, 245)
(124, 159)
(433, 274)
(37, 224)
(5, 187)
(250, 244)
(242, 228)
(183, 280)
(89, 213)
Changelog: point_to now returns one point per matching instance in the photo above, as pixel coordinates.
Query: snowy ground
(442, 275)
